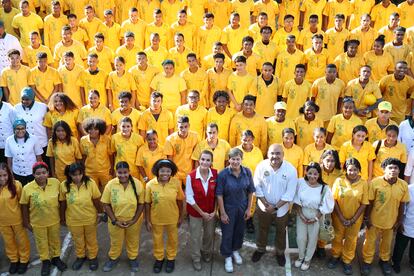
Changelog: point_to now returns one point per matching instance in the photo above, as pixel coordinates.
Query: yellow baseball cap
(280, 105)
(384, 105)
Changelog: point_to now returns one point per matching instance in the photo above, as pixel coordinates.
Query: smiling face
(183, 129)
(392, 137)
(20, 131)
(328, 163)
(221, 104)
(61, 133)
(152, 140)
(358, 137)
(58, 104)
(93, 100)
(288, 139)
(4, 177)
(41, 174)
(347, 109)
(235, 162)
(275, 155)
(126, 128)
(164, 174)
(312, 174)
(123, 175)
(205, 161)
(309, 113)
(352, 172)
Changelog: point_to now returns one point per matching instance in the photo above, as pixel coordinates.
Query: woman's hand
(224, 218)
(129, 223)
(247, 214)
(148, 225)
(120, 224)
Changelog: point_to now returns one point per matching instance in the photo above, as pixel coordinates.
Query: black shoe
(412, 266)
(170, 265)
(78, 263)
(250, 226)
(110, 264)
(320, 253)
(396, 267)
(365, 269)
(56, 261)
(158, 266)
(385, 267)
(45, 268)
(134, 265)
(22, 268)
(13, 267)
(333, 262)
(93, 264)
(257, 255)
(281, 260)
(347, 269)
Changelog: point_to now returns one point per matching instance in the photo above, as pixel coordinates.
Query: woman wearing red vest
(201, 208)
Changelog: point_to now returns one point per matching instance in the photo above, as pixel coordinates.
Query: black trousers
(23, 179)
(3, 159)
(401, 242)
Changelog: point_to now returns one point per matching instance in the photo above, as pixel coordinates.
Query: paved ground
(266, 267)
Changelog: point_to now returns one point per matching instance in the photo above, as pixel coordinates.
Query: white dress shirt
(189, 193)
(310, 197)
(6, 123)
(409, 214)
(8, 43)
(406, 135)
(275, 185)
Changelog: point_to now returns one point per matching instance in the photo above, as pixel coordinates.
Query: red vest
(206, 202)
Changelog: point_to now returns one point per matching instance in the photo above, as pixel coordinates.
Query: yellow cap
(384, 105)
(280, 105)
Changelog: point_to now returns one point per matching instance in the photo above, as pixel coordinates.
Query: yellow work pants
(345, 240)
(47, 241)
(84, 238)
(131, 237)
(158, 239)
(371, 236)
(100, 179)
(16, 243)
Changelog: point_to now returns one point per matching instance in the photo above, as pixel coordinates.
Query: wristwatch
(145, 178)
(114, 221)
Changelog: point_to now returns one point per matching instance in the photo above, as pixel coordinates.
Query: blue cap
(27, 92)
(19, 122)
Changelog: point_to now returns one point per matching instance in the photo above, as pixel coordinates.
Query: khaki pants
(158, 240)
(371, 236)
(47, 241)
(200, 242)
(307, 234)
(100, 179)
(345, 240)
(16, 243)
(84, 238)
(131, 237)
(265, 220)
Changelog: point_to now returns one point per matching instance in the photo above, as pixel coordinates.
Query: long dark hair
(71, 169)
(66, 128)
(11, 185)
(124, 165)
(316, 166)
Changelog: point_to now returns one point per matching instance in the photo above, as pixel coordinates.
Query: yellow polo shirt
(147, 158)
(197, 118)
(294, 156)
(126, 149)
(44, 81)
(70, 82)
(130, 55)
(143, 80)
(222, 121)
(171, 88)
(11, 214)
(312, 154)
(365, 154)
(341, 129)
(239, 85)
(286, 62)
(350, 196)
(30, 55)
(106, 57)
(138, 29)
(274, 129)
(70, 117)
(266, 95)
(335, 42)
(216, 81)
(180, 59)
(94, 81)
(374, 131)
(326, 96)
(156, 58)
(164, 123)
(220, 153)
(366, 38)
(355, 90)
(97, 157)
(304, 130)
(117, 84)
(380, 65)
(15, 81)
(316, 64)
(134, 115)
(398, 151)
(197, 81)
(296, 95)
(233, 38)
(251, 158)
(348, 67)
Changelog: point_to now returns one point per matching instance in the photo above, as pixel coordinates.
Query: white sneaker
(237, 258)
(228, 265)
(305, 266)
(298, 263)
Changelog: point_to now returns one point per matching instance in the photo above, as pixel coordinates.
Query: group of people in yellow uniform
(138, 90)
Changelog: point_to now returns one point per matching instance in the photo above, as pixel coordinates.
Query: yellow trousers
(131, 237)
(100, 179)
(47, 241)
(253, 209)
(84, 238)
(371, 236)
(345, 240)
(16, 243)
(158, 239)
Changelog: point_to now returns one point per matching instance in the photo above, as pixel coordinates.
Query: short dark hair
(125, 94)
(392, 128)
(248, 39)
(183, 119)
(219, 55)
(192, 55)
(221, 93)
(240, 59)
(208, 15)
(94, 123)
(249, 98)
(390, 161)
(41, 55)
(352, 162)
(156, 94)
(287, 16)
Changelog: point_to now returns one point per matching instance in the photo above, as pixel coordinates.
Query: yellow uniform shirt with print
(233, 38)
(163, 31)
(365, 154)
(126, 149)
(312, 154)
(123, 201)
(26, 25)
(170, 10)
(208, 62)
(29, 56)
(221, 10)
(350, 196)
(268, 52)
(296, 95)
(97, 156)
(100, 112)
(333, 7)
(406, 10)
(64, 154)
(380, 65)
(266, 94)
(15, 81)
(251, 158)
(147, 158)
(348, 67)
(91, 27)
(197, 81)
(70, 117)
(105, 56)
(156, 58)
(294, 156)
(365, 38)
(112, 35)
(275, 128)
(43, 203)
(244, 9)
(146, 9)
(76, 48)
(134, 115)
(206, 39)
(358, 93)
(130, 55)
(94, 81)
(398, 151)
(398, 53)
(254, 31)
(171, 88)
(80, 209)
(359, 8)
(189, 32)
(180, 59)
(286, 62)
(316, 64)
(375, 132)
(220, 153)
(118, 84)
(335, 40)
(216, 81)
(100, 6)
(280, 36)
(222, 120)
(70, 82)
(7, 18)
(289, 7)
(381, 15)
(326, 96)
(76, 7)
(195, 10)
(310, 7)
(11, 213)
(164, 123)
(143, 80)
(341, 129)
(44, 81)
(253, 64)
(80, 35)
(53, 29)
(330, 177)
(163, 199)
(239, 85)
(386, 201)
(305, 37)
(304, 130)
(197, 118)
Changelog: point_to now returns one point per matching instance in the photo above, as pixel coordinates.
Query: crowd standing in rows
(148, 112)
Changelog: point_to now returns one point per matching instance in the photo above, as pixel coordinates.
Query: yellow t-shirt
(286, 62)
(189, 32)
(305, 36)
(94, 81)
(274, 129)
(43, 204)
(64, 155)
(350, 196)
(366, 39)
(11, 213)
(348, 67)
(341, 129)
(355, 90)
(171, 88)
(130, 55)
(80, 35)
(220, 153)
(26, 25)
(123, 201)
(268, 52)
(266, 95)
(294, 156)
(15, 81)
(70, 82)
(181, 150)
(312, 154)
(134, 115)
(365, 154)
(280, 36)
(233, 38)
(316, 64)
(100, 112)
(380, 15)
(80, 209)
(253, 64)
(326, 96)
(163, 200)
(112, 35)
(126, 149)
(398, 151)
(398, 53)
(374, 131)
(206, 39)
(195, 10)
(7, 18)
(222, 121)
(164, 123)
(180, 59)
(239, 85)
(97, 157)
(44, 81)
(29, 55)
(52, 30)
(216, 81)
(146, 9)
(106, 57)
(380, 65)
(70, 117)
(77, 48)
(329, 178)
(333, 7)
(296, 95)
(244, 9)
(335, 42)
(271, 8)
(147, 158)
(359, 7)
(76, 7)
(123, 8)
(405, 10)
(197, 81)
(100, 6)
(117, 84)
(289, 7)
(310, 7)
(197, 118)
(170, 11)
(304, 130)
(163, 31)
(208, 62)
(386, 201)
(91, 27)
(251, 158)
(221, 10)
(143, 80)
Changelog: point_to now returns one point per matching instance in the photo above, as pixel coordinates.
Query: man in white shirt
(275, 181)
(7, 43)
